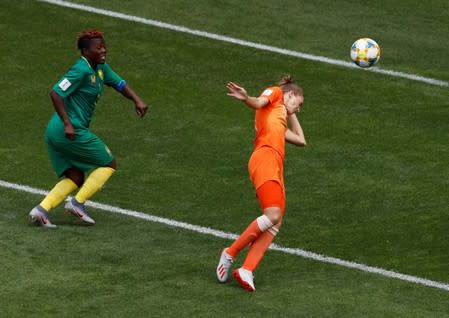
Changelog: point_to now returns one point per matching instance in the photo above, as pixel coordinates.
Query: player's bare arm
(58, 103)
(240, 93)
(141, 106)
(295, 134)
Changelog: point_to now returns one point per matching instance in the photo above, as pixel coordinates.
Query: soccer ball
(365, 52)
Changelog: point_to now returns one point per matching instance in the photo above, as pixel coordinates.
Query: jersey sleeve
(273, 94)
(112, 79)
(70, 81)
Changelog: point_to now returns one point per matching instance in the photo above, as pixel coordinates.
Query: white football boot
(223, 266)
(79, 210)
(39, 216)
(245, 278)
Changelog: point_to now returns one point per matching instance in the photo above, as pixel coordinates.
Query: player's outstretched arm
(141, 106)
(295, 134)
(240, 93)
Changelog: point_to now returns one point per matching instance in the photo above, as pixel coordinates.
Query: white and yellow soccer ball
(365, 52)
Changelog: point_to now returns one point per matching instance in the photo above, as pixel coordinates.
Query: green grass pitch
(371, 186)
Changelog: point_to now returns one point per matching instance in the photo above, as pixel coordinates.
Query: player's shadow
(64, 218)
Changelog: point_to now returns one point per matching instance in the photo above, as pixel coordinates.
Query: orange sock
(249, 235)
(252, 232)
(257, 250)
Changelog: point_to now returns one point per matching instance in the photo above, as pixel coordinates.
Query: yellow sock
(58, 194)
(94, 183)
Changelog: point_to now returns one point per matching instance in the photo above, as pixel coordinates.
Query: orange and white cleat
(224, 265)
(245, 278)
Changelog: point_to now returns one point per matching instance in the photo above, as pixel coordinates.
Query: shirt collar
(87, 62)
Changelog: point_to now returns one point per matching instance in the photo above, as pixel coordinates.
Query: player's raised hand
(237, 91)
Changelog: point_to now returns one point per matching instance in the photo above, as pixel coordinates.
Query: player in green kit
(72, 147)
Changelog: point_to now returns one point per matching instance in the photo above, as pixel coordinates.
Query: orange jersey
(266, 162)
(271, 121)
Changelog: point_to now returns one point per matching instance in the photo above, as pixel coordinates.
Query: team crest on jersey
(93, 79)
(100, 74)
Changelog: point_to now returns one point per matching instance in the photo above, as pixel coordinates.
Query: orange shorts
(264, 165)
(270, 194)
(266, 171)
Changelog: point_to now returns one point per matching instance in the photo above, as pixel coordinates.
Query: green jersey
(81, 87)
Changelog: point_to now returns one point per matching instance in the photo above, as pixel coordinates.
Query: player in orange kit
(275, 108)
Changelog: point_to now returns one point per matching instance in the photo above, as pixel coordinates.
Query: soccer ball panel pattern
(365, 52)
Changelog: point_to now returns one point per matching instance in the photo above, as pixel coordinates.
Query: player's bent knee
(112, 164)
(274, 214)
(76, 175)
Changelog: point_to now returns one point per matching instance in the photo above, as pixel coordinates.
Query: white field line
(254, 45)
(230, 236)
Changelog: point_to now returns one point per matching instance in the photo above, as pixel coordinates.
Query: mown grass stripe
(231, 236)
(301, 55)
